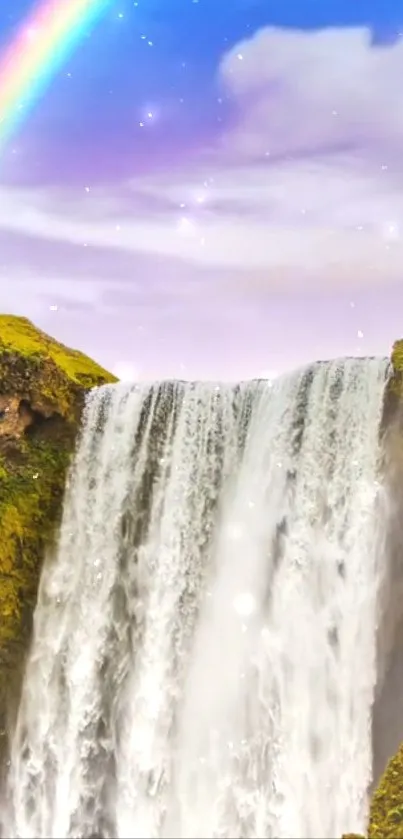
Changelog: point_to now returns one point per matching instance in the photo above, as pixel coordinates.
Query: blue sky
(216, 186)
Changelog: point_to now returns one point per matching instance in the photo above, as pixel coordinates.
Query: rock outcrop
(42, 389)
(386, 816)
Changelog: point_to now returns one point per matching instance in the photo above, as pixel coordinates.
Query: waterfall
(204, 654)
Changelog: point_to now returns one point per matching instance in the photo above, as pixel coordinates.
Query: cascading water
(204, 652)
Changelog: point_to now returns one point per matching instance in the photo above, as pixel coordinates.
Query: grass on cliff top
(19, 335)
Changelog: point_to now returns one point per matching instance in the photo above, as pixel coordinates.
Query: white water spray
(203, 661)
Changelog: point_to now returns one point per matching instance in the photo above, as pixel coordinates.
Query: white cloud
(307, 215)
(301, 91)
(300, 223)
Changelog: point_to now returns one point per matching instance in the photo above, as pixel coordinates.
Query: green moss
(395, 386)
(386, 817)
(397, 356)
(49, 373)
(30, 501)
(50, 381)
(352, 836)
(19, 335)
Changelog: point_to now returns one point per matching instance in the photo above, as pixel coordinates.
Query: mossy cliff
(42, 389)
(386, 817)
(394, 391)
(397, 362)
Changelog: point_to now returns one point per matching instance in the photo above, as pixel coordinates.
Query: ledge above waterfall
(48, 376)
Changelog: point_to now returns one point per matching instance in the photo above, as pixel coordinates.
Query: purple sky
(211, 198)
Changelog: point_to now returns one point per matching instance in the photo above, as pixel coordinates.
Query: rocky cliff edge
(42, 389)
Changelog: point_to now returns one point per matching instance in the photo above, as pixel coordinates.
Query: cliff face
(42, 389)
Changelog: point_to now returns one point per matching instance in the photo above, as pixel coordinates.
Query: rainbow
(42, 45)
